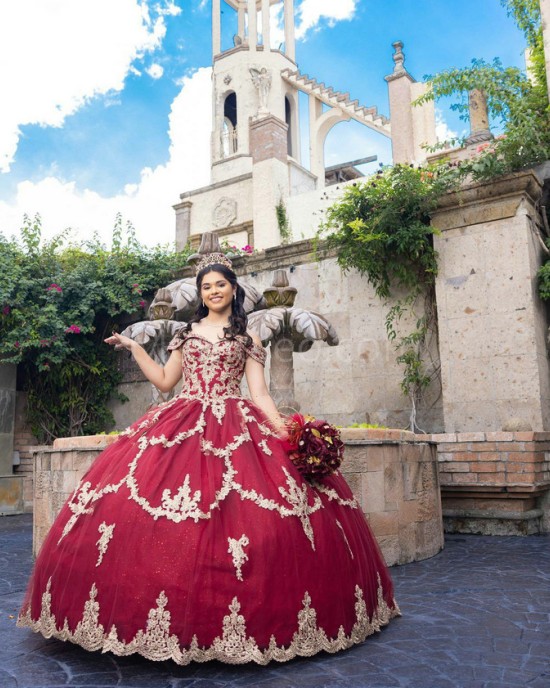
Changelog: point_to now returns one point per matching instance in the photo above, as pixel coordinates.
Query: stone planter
(57, 471)
(392, 474)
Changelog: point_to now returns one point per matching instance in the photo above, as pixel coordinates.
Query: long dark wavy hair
(237, 319)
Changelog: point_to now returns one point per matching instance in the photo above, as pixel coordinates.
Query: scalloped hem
(234, 646)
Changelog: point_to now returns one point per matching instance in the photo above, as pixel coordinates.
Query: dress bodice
(213, 369)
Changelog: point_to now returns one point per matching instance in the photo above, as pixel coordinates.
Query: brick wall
(494, 482)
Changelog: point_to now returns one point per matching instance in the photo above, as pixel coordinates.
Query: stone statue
(261, 78)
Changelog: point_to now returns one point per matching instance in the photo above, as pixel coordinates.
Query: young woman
(193, 536)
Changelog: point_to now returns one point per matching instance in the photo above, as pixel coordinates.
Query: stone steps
(337, 99)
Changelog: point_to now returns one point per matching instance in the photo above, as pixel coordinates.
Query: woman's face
(217, 292)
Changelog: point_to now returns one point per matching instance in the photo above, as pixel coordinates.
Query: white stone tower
(256, 143)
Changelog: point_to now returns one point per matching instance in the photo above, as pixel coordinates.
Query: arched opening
(229, 141)
(352, 150)
(288, 120)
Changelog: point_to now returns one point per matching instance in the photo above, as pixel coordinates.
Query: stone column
(252, 26)
(545, 16)
(479, 118)
(316, 148)
(270, 178)
(492, 324)
(412, 127)
(216, 29)
(266, 35)
(290, 43)
(183, 224)
(11, 487)
(240, 23)
(399, 89)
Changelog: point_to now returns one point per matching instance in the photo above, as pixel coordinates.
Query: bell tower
(259, 191)
(247, 84)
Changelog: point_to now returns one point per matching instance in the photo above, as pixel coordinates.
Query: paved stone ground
(475, 616)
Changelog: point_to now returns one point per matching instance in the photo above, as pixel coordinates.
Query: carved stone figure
(261, 78)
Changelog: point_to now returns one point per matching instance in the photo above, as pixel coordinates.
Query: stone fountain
(287, 330)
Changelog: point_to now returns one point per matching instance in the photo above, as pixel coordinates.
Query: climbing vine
(381, 227)
(283, 222)
(58, 301)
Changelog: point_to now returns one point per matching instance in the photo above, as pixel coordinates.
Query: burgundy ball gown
(193, 537)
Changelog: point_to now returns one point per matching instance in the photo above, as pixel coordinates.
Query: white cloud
(155, 71)
(311, 12)
(63, 52)
(147, 204)
(442, 130)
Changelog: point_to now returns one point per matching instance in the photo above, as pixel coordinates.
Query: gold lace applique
(345, 538)
(332, 495)
(103, 542)
(84, 497)
(182, 504)
(240, 557)
(234, 646)
(298, 498)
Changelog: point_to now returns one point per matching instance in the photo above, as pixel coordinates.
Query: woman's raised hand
(120, 342)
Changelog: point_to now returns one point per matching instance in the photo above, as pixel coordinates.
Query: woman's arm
(164, 378)
(259, 393)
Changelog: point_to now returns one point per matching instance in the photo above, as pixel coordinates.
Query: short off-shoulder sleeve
(257, 352)
(177, 340)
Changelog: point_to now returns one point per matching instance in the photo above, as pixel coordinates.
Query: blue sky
(106, 103)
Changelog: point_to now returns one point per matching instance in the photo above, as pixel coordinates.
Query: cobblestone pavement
(475, 616)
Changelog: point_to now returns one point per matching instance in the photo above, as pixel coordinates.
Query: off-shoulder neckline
(198, 335)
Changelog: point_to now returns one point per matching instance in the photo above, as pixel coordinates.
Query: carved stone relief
(224, 213)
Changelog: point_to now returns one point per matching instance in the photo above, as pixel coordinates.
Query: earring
(234, 297)
(203, 304)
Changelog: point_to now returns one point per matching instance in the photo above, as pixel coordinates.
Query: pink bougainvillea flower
(142, 303)
(73, 329)
(6, 310)
(17, 345)
(248, 249)
(54, 287)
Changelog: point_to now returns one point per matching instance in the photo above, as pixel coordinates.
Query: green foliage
(282, 222)
(57, 304)
(518, 102)
(382, 228)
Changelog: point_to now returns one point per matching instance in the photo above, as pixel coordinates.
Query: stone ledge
(85, 442)
(497, 513)
(376, 435)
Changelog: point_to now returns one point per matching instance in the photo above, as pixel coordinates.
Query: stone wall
(495, 483)
(492, 323)
(25, 443)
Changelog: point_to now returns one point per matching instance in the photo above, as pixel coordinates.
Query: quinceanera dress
(193, 537)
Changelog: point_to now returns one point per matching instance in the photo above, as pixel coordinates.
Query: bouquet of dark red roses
(314, 445)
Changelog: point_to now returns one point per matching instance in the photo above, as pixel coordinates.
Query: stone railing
(393, 476)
